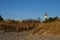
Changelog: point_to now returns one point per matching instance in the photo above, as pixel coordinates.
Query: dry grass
(37, 27)
(51, 27)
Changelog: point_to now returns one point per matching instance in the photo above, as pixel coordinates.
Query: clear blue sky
(25, 9)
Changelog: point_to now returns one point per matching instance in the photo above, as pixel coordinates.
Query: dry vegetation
(17, 26)
(31, 26)
(50, 27)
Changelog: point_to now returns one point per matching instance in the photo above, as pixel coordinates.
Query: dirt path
(25, 36)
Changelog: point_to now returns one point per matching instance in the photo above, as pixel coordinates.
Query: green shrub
(1, 19)
(51, 19)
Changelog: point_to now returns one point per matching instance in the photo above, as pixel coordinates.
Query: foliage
(1, 19)
(51, 19)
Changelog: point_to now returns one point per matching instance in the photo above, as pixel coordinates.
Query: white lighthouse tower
(45, 16)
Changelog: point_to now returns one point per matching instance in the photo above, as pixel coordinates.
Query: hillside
(30, 30)
(50, 27)
(33, 27)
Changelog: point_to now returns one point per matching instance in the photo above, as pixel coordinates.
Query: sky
(29, 9)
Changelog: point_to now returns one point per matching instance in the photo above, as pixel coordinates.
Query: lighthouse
(45, 16)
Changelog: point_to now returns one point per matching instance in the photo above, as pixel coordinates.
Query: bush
(51, 19)
(1, 19)
(55, 18)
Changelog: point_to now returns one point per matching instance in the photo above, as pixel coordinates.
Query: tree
(51, 19)
(1, 19)
(55, 18)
